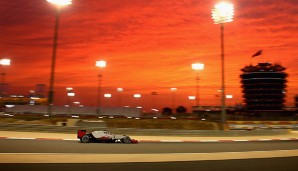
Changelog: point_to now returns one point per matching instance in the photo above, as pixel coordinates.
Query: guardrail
(261, 126)
(136, 131)
(249, 125)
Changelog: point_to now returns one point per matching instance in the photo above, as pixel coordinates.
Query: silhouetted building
(264, 86)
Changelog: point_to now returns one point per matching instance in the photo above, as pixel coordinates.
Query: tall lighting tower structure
(223, 12)
(100, 64)
(58, 4)
(197, 67)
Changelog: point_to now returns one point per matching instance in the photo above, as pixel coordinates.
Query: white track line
(166, 141)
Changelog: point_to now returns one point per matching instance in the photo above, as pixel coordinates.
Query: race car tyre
(85, 139)
(126, 140)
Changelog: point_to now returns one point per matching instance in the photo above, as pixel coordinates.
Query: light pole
(3, 62)
(119, 91)
(70, 94)
(230, 97)
(58, 4)
(100, 64)
(137, 96)
(222, 13)
(191, 98)
(154, 108)
(173, 90)
(107, 96)
(197, 67)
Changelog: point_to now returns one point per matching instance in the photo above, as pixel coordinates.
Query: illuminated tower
(263, 86)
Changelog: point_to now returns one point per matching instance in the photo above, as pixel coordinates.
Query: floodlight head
(101, 64)
(119, 89)
(191, 97)
(71, 94)
(4, 61)
(229, 96)
(197, 66)
(173, 89)
(223, 12)
(60, 2)
(137, 95)
(69, 88)
(107, 95)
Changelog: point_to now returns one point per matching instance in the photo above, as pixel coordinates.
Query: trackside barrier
(144, 132)
(250, 125)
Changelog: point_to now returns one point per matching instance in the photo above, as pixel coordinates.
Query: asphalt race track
(249, 153)
(271, 164)
(58, 146)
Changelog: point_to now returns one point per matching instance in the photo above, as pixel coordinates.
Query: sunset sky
(149, 46)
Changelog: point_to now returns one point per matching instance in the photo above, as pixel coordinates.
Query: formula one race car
(104, 137)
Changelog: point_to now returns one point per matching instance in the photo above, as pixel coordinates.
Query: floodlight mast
(4, 62)
(222, 13)
(197, 67)
(100, 64)
(58, 4)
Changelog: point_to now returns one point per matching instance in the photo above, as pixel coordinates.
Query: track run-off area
(40, 151)
(71, 151)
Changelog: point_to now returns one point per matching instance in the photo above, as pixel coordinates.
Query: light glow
(119, 89)
(71, 94)
(173, 89)
(228, 96)
(191, 97)
(60, 2)
(107, 95)
(222, 13)
(197, 66)
(137, 95)
(69, 89)
(101, 64)
(34, 98)
(5, 62)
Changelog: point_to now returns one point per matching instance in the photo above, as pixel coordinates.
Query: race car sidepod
(104, 137)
